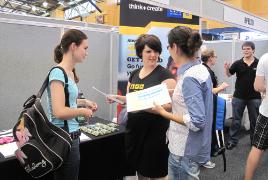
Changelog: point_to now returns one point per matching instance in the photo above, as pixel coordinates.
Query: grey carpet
(236, 163)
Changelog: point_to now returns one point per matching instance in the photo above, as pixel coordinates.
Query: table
(245, 119)
(102, 158)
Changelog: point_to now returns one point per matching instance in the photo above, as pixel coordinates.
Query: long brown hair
(69, 37)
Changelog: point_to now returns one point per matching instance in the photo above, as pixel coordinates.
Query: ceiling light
(45, 4)
(61, 2)
(34, 8)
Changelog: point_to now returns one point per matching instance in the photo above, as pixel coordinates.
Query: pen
(106, 95)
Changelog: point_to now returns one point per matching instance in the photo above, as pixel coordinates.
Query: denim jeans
(238, 106)
(70, 169)
(182, 168)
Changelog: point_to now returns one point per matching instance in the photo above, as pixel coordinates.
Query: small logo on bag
(42, 164)
(20, 155)
(22, 133)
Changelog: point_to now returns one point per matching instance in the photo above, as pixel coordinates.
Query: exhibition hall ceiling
(39, 7)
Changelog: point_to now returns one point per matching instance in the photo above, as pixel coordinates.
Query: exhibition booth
(27, 45)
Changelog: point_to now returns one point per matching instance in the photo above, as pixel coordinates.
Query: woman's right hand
(158, 108)
(226, 65)
(109, 98)
(86, 112)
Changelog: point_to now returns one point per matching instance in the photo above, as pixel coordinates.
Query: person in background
(209, 58)
(244, 94)
(172, 67)
(145, 138)
(189, 133)
(71, 50)
(260, 137)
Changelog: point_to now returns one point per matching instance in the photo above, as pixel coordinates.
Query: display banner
(166, 2)
(244, 19)
(139, 18)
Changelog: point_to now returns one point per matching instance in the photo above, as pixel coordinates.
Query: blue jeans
(238, 106)
(70, 169)
(182, 168)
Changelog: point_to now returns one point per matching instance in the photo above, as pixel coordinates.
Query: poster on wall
(138, 18)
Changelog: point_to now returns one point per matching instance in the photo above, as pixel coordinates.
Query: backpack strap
(223, 154)
(224, 161)
(66, 92)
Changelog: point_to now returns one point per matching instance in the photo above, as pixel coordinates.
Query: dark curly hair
(150, 40)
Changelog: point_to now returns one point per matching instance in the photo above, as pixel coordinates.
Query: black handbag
(42, 146)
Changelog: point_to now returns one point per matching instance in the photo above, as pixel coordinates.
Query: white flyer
(8, 149)
(144, 99)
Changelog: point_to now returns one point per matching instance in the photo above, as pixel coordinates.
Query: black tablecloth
(102, 158)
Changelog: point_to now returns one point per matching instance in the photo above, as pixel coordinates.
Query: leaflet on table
(84, 137)
(144, 99)
(5, 133)
(8, 149)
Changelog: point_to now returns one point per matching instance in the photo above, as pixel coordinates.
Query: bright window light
(80, 10)
(34, 8)
(45, 4)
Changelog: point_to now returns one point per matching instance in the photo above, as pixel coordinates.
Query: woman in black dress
(145, 140)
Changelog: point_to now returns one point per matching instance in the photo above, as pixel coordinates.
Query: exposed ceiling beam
(83, 1)
(93, 4)
(26, 5)
(19, 6)
(4, 5)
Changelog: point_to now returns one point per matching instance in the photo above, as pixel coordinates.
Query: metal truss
(72, 8)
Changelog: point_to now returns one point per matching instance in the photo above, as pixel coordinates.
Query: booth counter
(102, 158)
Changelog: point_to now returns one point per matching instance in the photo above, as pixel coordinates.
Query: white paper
(7, 135)
(144, 99)
(227, 97)
(6, 132)
(8, 149)
(107, 95)
(84, 137)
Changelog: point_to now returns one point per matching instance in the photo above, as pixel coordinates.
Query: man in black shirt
(244, 94)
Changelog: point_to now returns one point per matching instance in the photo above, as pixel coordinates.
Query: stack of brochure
(7, 149)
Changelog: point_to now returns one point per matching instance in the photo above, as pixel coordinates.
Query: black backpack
(42, 146)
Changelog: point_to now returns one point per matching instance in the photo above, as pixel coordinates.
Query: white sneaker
(209, 165)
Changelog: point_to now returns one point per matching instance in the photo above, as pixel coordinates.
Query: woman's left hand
(224, 85)
(157, 108)
(91, 105)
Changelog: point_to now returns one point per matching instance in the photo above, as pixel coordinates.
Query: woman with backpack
(189, 133)
(71, 50)
(209, 58)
